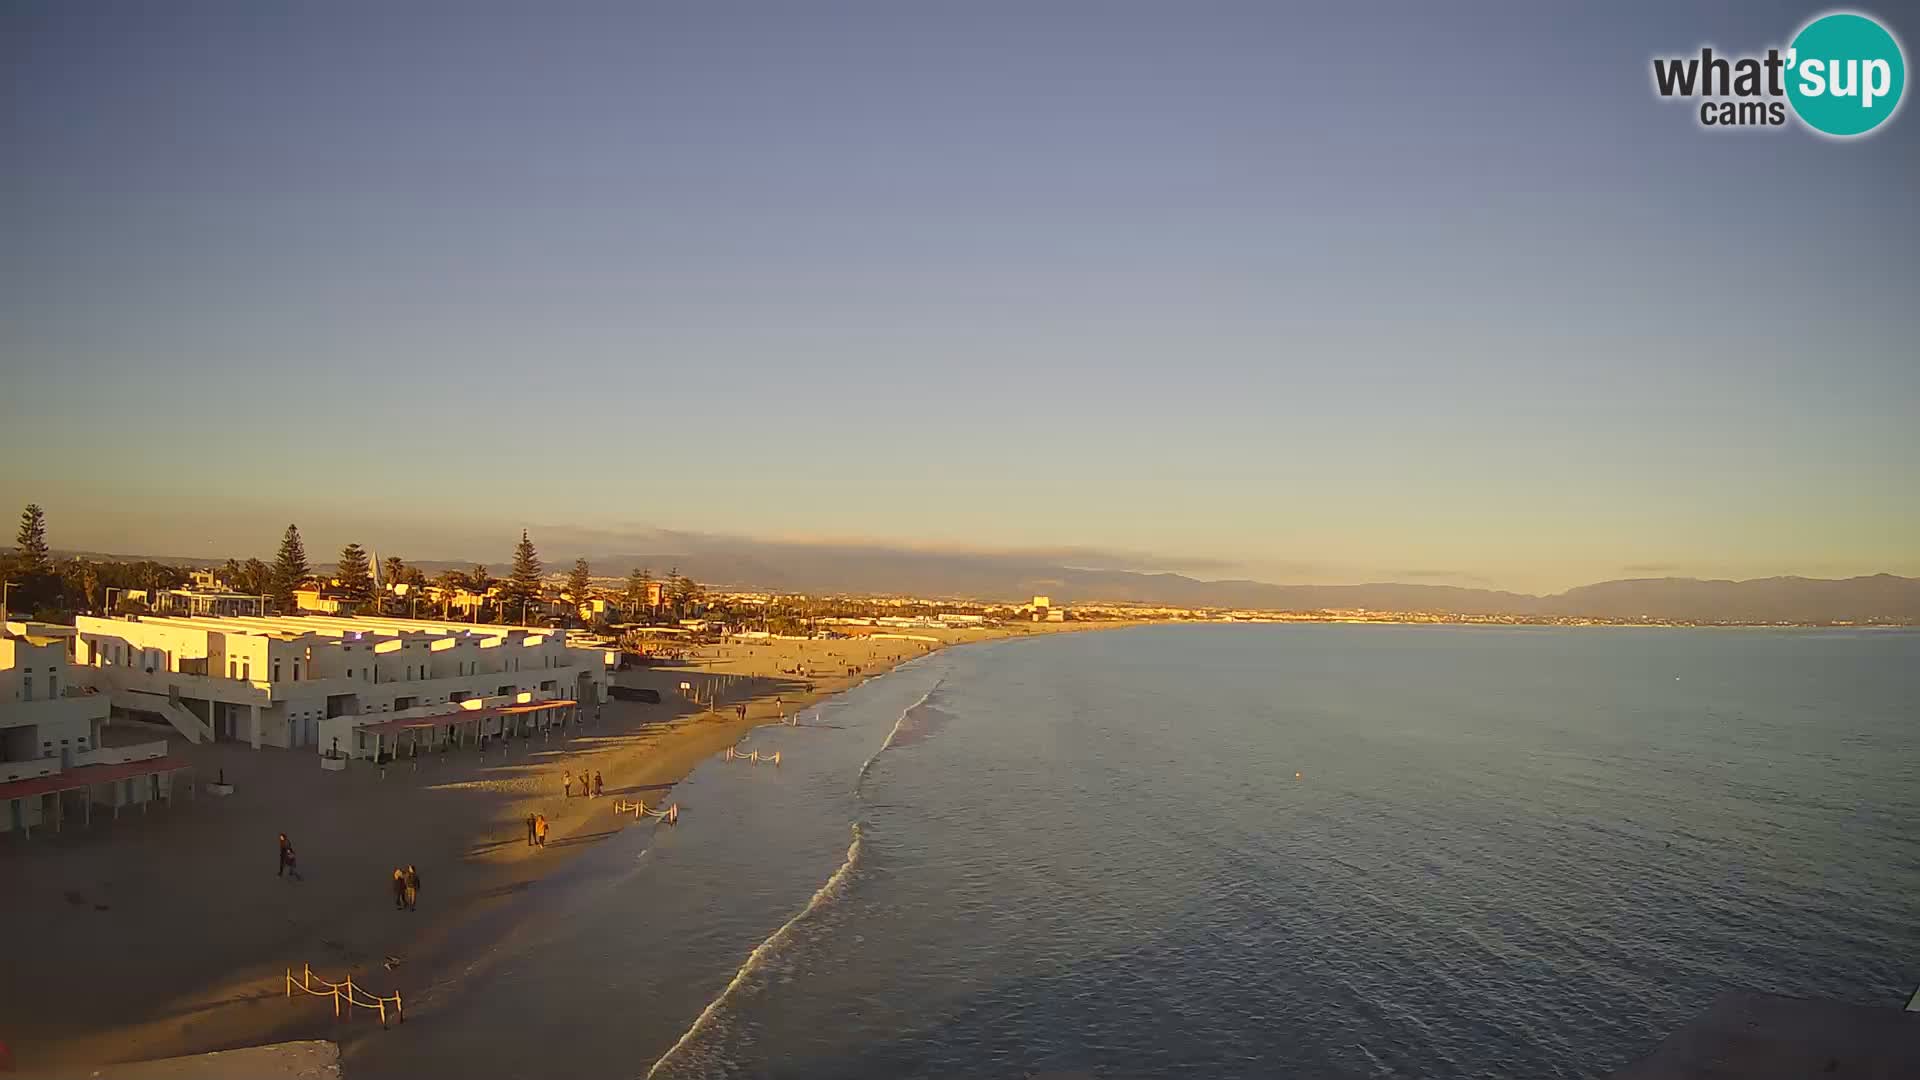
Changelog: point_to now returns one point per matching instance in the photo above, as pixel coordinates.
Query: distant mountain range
(1879, 598)
(880, 570)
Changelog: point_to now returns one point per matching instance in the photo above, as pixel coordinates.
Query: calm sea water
(1506, 852)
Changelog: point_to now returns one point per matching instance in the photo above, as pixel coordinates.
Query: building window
(246, 670)
(276, 671)
(233, 669)
(296, 671)
(28, 683)
(53, 686)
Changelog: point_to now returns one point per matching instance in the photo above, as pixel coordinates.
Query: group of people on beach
(406, 888)
(597, 788)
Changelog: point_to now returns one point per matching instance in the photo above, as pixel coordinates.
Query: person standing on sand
(540, 829)
(529, 830)
(413, 886)
(399, 889)
(566, 784)
(598, 784)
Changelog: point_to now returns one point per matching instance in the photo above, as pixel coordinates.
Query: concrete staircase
(170, 707)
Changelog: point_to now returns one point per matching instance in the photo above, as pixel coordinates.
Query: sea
(1236, 851)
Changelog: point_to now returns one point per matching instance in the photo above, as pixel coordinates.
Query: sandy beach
(164, 934)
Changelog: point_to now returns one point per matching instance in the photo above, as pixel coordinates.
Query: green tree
(255, 578)
(393, 570)
(30, 554)
(290, 569)
(580, 586)
(686, 595)
(479, 580)
(450, 585)
(639, 584)
(89, 583)
(523, 582)
(355, 574)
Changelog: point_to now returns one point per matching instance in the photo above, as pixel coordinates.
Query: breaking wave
(760, 955)
(894, 735)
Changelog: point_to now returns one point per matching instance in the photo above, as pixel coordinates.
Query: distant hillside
(1880, 598)
(858, 569)
(798, 568)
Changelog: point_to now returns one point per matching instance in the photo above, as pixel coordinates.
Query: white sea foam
(861, 779)
(758, 958)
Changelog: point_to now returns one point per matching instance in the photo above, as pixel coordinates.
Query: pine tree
(523, 583)
(355, 574)
(580, 586)
(30, 546)
(686, 595)
(290, 569)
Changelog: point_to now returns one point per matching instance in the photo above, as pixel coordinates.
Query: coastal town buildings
(205, 594)
(279, 681)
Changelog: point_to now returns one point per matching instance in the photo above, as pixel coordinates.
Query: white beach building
(53, 762)
(278, 681)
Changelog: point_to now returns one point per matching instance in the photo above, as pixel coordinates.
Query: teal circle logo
(1845, 74)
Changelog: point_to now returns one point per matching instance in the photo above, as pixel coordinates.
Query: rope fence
(670, 815)
(345, 992)
(753, 756)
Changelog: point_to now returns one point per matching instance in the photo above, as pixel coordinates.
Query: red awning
(510, 710)
(420, 723)
(463, 716)
(89, 775)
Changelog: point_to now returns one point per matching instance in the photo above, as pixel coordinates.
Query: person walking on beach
(529, 830)
(566, 784)
(413, 886)
(540, 830)
(286, 855)
(399, 889)
(598, 784)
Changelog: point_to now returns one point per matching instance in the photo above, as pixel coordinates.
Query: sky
(1434, 293)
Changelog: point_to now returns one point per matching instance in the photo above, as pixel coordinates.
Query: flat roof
(89, 775)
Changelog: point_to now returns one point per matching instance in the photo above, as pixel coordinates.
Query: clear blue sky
(1351, 294)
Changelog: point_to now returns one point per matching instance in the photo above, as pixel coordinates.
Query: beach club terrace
(278, 680)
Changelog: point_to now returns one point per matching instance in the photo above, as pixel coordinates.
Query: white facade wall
(276, 681)
(44, 714)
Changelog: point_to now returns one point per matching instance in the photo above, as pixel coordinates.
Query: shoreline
(189, 896)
